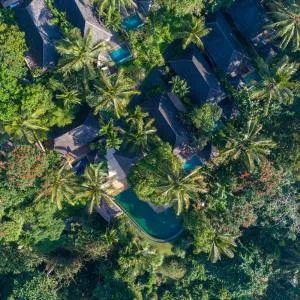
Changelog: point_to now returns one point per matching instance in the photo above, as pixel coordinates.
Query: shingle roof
(192, 67)
(80, 14)
(221, 44)
(35, 21)
(77, 137)
(250, 17)
(167, 122)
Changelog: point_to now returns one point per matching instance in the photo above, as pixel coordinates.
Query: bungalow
(224, 49)
(163, 109)
(80, 13)
(194, 69)
(250, 17)
(35, 21)
(74, 143)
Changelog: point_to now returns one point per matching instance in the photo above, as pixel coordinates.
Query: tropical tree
(246, 145)
(61, 186)
(222, 244)
(286, 24)
(194, 33)
(78, 53)
(105, 5)
(112, 94)
(31, 128)
(96, 186)
(112, 135)
(276, 84)
(141, 131)
(70, 97)
(179, 86)
(177, 186)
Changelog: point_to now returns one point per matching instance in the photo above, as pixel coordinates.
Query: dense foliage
(239, 211)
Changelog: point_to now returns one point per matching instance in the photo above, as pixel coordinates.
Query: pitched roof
(192, 67)
(250, 17)
(167, 122)
(144, 5)
(221, 44)
(77, 137)
(35, 21)
(80, 13)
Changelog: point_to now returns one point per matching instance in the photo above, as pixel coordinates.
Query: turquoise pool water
(192, 163)
(121, 55)
(132, 22)
(162, 226)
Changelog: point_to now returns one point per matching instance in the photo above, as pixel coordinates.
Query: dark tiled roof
(221, 44)
(192, 67)
(250, 17)
(167, 122)
(80, 13)
(34, 20)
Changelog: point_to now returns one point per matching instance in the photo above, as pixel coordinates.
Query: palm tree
(32, 128)
(141, 131)
(79, 53)
(112, 94)
(111, 134)
(70, 97)
(105, 5)
(179, 86)
(222, 244)
(194, 34)
(177, 186)
(61, 185)
(246, 145)
(276, 83)
(96, 186)
(287, 24)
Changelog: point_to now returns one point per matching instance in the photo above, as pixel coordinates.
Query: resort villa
(41, 35)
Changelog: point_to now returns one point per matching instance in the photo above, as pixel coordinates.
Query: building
(80, 13)
(41, 35)
(10, 3)
(250, 18)
(224, 49)
(191, 66)
(166, 119)
(74, 143)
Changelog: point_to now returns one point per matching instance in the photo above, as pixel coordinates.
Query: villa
(224, 49)
(166, 119)
(80, 14)
(194, 69)
(74, 143)
(251, 25)
(40, 34)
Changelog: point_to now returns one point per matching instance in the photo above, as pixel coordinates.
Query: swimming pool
(192, 163)
(132, 22)
(121, 55)
(161, 227)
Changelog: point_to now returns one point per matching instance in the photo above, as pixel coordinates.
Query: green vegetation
(239, 211)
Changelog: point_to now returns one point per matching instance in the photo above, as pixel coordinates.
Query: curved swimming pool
(161, 227)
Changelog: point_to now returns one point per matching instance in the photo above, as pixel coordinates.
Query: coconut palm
(246, 145)
(112, 94)
(70, 97)
(177, 186)
(286, 25)
(179, 86)
(196, 31)
(31, 128)
(95, 186)
(222, 244)
(141, 131)
(79, 53)
(61, 186)
(276, 84)
(111, 134)
(105, 5)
